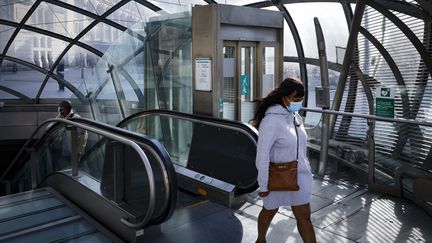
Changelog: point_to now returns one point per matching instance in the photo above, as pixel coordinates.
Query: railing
(73, 126)
(221, 149)
(399, 169)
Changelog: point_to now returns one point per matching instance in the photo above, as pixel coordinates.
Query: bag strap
(295, 128)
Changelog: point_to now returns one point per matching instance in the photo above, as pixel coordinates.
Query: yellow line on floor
(192, 205)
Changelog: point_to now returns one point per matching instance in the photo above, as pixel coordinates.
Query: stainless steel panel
(243, 33)
(247, 16)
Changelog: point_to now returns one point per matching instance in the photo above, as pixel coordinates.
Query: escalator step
(34, 220)
(10, 199)
(28, 207)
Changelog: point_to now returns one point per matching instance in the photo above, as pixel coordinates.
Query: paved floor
(341, 212)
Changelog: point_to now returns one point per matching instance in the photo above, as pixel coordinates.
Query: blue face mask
(294, 106)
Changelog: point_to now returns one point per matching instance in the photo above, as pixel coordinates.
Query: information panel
(384, 102)
(203, 79)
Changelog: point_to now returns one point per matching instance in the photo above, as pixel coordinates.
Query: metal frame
(351, 45)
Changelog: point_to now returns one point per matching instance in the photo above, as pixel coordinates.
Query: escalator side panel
(223, 154)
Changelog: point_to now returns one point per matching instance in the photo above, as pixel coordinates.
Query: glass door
(228, 100)
(247, 81)
(269, 73)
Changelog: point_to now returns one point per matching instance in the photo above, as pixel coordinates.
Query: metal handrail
(378, 118)
(402, 170)
(189, 117)
(121, 139)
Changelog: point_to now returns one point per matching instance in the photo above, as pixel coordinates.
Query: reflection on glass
(40, 50)
(229, 87)
(21, 78)
(5, 34)
(174, 134)
(247, 83)
(149, 67)
(131, 13)
(314, 79)
(268, 76)
(58, 20)
(203, 147)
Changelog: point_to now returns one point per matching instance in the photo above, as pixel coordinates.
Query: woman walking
(282, 138)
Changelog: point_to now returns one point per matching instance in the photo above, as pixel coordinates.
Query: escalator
(122, 186)
(207, 159)
(212, 157)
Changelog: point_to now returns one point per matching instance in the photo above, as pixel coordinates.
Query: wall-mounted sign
(203, 75)
(384, 102)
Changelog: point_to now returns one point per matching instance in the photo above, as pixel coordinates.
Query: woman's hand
(263, 194)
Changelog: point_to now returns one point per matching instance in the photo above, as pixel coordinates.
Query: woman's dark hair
(286, 88)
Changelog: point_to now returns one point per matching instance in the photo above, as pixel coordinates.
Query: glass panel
(76, 66)
(101, 37)
(314, 79)
(247, 83)
(102, 6)
(229, 91)
(131, 13)
(268, 76)
(14, 10)
(58, 20)
(290, 48)
(192, 2)
(83, 4)
(333, 24)
(35, 48)
(188, 144)
(291, 69)
(5, 34)
(236, 2)
(5, 95)
(21, 78)
(107, 103)
(56, 89)
(130, 94)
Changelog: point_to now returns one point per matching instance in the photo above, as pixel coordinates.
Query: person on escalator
(276, 119)
(66, 111)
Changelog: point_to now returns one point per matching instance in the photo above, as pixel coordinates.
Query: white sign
(203, 79)
(385, 92)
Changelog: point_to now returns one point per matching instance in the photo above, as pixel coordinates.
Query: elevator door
(240, 85)
(249, 72)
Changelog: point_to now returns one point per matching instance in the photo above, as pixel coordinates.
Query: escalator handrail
(241, 127)
(157, 150)
(118, 138)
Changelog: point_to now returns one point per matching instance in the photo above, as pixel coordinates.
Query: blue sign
(245, 85)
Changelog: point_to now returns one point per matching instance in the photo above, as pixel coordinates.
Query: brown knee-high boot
(264, 219)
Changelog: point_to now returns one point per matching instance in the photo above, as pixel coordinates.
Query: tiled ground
(340, 213)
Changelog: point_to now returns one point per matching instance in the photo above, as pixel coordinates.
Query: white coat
(277, 143)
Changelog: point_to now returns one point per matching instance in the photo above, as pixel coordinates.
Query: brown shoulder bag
(283, 176)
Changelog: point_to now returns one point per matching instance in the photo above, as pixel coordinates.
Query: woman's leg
(304, 225)
(264, 219)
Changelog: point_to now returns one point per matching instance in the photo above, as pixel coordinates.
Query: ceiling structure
(38, 35)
